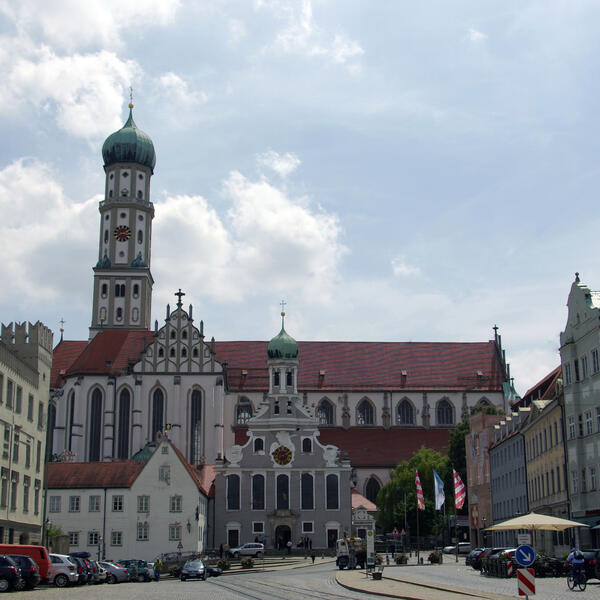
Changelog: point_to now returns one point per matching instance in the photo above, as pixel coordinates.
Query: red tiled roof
(203, 475)
(111, 351)
(64, 355)
(538, 391)
(374, 446)
(118, 474)
(370, 365)
(359, 500)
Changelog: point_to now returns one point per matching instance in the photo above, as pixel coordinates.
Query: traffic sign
(523, 538)
(526, 582)
(395, 533)
(525, 555)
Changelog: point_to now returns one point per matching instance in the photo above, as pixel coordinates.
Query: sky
(395, 171)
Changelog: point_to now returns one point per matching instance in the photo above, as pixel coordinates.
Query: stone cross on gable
(179, 294)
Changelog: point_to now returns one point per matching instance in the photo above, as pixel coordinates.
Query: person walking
(313, 555)
(221, 551)
(289, 546)
(157, 568)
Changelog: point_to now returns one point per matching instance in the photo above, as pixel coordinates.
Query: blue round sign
(525, 555)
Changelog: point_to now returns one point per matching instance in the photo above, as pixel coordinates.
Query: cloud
(283, 164)
(266, 242)
(83, 93)
(302, 36)
(34, 253)
(173, 86)
(70, 25)
(476, 36)
(237, 30)
(401, 268)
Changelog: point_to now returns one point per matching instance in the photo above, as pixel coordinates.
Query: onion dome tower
(122, 278)
(282, 353)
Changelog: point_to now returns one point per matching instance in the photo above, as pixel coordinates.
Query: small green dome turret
(283, 345)
(129, 144)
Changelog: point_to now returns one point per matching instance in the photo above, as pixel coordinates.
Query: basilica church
(294, 433)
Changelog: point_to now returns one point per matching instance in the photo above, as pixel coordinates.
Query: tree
(401, 488)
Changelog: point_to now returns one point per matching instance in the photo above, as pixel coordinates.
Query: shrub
(378, 559)
(223, 564)
(434, 557)
(401, 559)
(247, 563)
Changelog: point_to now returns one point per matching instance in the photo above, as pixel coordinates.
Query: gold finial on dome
(283, 303)
(130, 97)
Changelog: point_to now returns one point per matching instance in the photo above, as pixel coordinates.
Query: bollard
(387, 559)
(421, 560)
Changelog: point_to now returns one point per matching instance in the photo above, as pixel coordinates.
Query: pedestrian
(310, 543)
(313, 555)
(157, 568)
(221, 551)
(289, 546)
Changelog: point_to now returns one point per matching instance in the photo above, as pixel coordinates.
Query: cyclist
(577, 562)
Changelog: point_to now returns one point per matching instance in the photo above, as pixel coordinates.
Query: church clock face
(282, 455)
(122, 233)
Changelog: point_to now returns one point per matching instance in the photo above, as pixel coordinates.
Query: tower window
(136, 290)
(140, 217)
(120, 290)
(125, 174)
(172, 334)
(119, 314)
(140, 176)
(135, 314)
(123, 215)
(276, 407)
(139, 194)
(110, 194)
(106, 236)
(276, 378)
(112, 176)
(140, 236)
(288, 378)
(106, 218)
(104, 290)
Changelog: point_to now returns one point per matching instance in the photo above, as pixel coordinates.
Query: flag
(420, 497)
(440, 497)
(460, 493)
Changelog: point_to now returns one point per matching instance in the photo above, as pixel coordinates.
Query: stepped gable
(371, 365)
(375, 446)
(111, 352)
(63, 356)
(80, 475)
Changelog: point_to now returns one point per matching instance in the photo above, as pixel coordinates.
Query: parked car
(138, 569)
(84, 574)
(473, 556)
(102, 574)
(10, 574)
(193, 569)
(251, 549)
(114, 573)
(63, 571)
(463, 548)
(487, 554)
(30, 574)
(38, 553)
(592, 563)
(212, 571)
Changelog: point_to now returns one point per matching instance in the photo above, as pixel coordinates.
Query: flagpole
(456, 528)
(418, 544)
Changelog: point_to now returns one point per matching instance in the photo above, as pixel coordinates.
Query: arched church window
(183, 353)
(307, 491)
(104, 291)
(173, 334)
(71, 413)
(364, 413)
(123, 420)
(325, 413)
(140, 235)
(136, 290)
(172, 353)
(307, 445)
(258, 492)
(195, 352)
(158, 410)
(195, 427)
(233, 492)
(372, 489)
(243, 411)
(161, 353)
(404, 413)
(283, 492)
(184, 335)
(259, 445)
(444, 413)
(332, 489)
(95, 425)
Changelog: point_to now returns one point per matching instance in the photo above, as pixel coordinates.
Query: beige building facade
(25, 364)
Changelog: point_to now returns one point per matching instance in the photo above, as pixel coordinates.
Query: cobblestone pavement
(310, 583)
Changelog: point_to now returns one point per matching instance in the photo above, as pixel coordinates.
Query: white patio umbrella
(536, 521)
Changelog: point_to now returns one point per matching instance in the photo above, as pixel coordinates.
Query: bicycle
(580, 580)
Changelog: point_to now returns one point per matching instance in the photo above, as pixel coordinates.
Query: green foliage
(246, 563)
(434, 557)
(391, 497)
(54, 531)
(224, 564)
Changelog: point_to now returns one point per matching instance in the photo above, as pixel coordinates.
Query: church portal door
(283, 534)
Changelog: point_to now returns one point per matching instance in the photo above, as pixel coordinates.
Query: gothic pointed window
(71, 414)
(195, 352)
(444, 412)
(158, 407)
(123, 431)
(372, 489)
(196, 427)
(258, 492)
(183, 353)
(283, 492)
(405, 413)
(325, 413)
(95, 427)
(307, 492)
(172, 353)
(364, 413)
(243, 411)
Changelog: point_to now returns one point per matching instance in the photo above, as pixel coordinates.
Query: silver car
(114, 573)
(251, 549)
(62, 571)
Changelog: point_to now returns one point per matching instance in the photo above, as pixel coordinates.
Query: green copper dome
(129, 144)
(283, 345)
